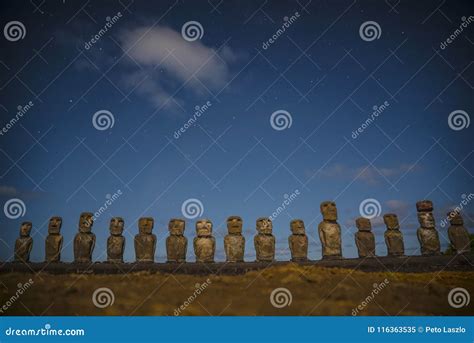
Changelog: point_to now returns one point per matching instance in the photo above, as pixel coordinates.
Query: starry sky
(101, 115)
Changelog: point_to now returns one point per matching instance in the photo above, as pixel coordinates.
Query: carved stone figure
(54, 240)
(115, 242)
(24, 243)
(84, 241)
(234, 242)
(427, 234)
(176, 243)
(364, 238)
(458, 235)
(204, 243)
(264, 241)
(393, 235)
(330, 231)
(145, 240)
(298, 241)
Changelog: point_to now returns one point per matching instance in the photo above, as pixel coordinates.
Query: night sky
(322, 73)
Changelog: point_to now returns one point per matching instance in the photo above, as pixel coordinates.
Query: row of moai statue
(234, 243)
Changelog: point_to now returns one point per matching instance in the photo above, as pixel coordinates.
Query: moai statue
(24, 243)
(298, 241)
(54, 240)
(234, 242)
(176, 243)
(84, 241)
(427, 234)
(204, 243)
(393, 235)
(364, 238)
(115, 242)
(458, 235)
(145, 240)
(330, 231)
(264, 241)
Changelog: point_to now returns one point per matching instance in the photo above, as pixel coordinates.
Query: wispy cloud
(167, 63)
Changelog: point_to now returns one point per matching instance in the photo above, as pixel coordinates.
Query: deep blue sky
(319, 70)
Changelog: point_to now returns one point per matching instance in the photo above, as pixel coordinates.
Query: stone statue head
(234, 225)
(204, 228)
(424, 206)
(391, 221)
(264, 226)
(145, 225)
(116, 226)
(176, 227)
(85, 222)
(455, 218)
(363, 224)
(54, 226)
(25, 229)
(297, 227)
(426, 220)
(329, 210)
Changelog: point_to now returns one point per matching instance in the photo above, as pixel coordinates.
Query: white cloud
(169, 61)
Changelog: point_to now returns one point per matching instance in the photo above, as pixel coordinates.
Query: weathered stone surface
(24, 243)
(330, 231)
(427, 233)
(364, 238)
(145, 240)
(234, 242)
(298, 241)
(84, 241)
(264, 241)
(176, 243)
(204, 243)
(458, 234)
(116, 242)
(393, 235)
(54, 240)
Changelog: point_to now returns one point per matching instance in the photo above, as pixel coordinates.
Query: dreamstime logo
(459, 297)
(21, 289)
(459, 120)
(192, 31)
(466, 199)
(464, 24)
(369, 31)
(110, 199)
(199, 289)
(103, 297)
(287, 22)
(14, 208)
(14, 31)
(370, 208)
(22, 110)
(199, 111)
(377, 288)
(281, 120)
(289, 198)
(192, 208)
(103, 120)
(281, 297)
(377, 110)
(108, 25)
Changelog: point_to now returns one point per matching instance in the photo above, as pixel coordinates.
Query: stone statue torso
(115, 248)
(234, 246)
(429, 241)
(83, 246)
(53, 247)
(298, 247)
(330, 234)
(145, 245)
(204, 248)
(176, 247)
(23, 247)
(459, 238)
(365, 242)
(394, 242)
(265, 247)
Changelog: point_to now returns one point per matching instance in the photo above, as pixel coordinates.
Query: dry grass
(315, 291)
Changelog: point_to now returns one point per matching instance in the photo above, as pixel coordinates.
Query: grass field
(314, 291)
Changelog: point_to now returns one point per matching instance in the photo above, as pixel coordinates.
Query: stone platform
(407, 264)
